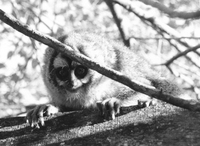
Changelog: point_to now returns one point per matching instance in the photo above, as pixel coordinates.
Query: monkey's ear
(63, 38)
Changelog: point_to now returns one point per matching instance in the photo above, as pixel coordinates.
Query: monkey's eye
(63, 73)
(80, 71)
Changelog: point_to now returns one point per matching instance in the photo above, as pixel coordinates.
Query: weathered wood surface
(160, 125)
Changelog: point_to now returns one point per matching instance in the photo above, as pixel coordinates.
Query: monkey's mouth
(72, 89)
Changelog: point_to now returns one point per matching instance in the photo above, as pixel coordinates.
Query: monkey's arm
(122, 96)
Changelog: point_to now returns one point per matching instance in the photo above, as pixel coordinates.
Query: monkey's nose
(74, 85)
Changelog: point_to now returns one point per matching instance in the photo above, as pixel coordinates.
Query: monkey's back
(111, 54)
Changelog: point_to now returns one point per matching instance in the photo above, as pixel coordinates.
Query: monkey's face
(66, 74)
(70, 75)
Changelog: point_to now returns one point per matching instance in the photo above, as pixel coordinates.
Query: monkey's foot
(36, 116)
(109, 108)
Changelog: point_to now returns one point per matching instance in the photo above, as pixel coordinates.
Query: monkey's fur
(73, 86)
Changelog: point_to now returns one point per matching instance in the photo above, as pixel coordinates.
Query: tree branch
(88, 128)
(155, 23)
(172, 43)
(164, 38)
(115, 75)
(117, 21)
(181, 54)
(170, 12)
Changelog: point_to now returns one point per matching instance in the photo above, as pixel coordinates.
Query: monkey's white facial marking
(70, 75)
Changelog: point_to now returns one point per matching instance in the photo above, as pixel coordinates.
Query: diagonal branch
(115, 75)
(172, 43)
(170, 12)
(181, 54)
(164, 38)
(118, 21)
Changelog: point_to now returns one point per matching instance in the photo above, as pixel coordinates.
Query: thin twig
(170, 12)
(181, 54)
(165, 38)
(117, 21)
(154, 22)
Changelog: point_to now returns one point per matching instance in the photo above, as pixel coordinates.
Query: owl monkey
(73, 86)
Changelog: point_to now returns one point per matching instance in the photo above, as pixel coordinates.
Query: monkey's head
(70, 75)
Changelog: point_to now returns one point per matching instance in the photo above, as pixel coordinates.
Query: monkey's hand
(146, 103)
(109, 108)
(36, 116)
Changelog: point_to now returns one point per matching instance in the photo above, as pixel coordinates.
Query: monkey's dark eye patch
(62, 73)
(80, 71)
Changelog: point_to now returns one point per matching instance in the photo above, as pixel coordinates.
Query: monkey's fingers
(109, 108)
(50, 110)
(146, 103)
(36, 115)
(28, 116)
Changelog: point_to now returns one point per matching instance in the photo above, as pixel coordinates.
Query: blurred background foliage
(21, 58)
